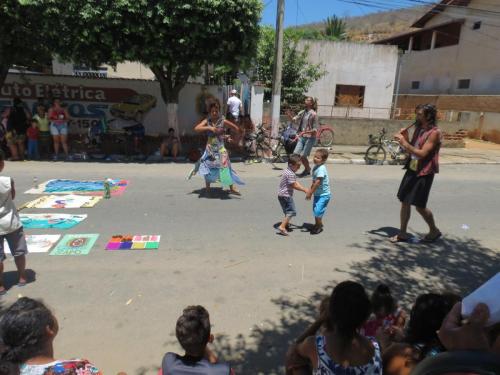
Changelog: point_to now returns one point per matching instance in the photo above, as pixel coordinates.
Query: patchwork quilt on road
(134, 242)
(94, 188)
(75, 244)
(62, 201)
(44, 221)
(38, 243)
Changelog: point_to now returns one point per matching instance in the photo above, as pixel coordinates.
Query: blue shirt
(319, 171)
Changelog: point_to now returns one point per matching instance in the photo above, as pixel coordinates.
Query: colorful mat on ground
(37, 243)
(134, 242)
(75, 244)
(93, 188)
(43, 221)
(62, 201)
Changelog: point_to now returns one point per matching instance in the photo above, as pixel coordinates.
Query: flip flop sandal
(428, 239)
(282, 232)
(317, 230)
(397, 238)
(3, 292)
(21, 284)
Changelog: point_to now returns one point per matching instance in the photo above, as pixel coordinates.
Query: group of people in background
(24, 134)
(354, 333)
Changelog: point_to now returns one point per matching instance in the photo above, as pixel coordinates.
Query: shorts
(58, 129)
(320, 203)
(304, 146)
(288, 206)
(13, 138)
(414, 189)
(17, 243)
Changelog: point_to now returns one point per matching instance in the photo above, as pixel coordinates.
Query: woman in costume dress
(215, 165)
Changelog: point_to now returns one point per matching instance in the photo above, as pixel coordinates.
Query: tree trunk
(4, 69)
(170, 88)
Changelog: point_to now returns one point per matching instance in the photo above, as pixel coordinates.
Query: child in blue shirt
(320, 188)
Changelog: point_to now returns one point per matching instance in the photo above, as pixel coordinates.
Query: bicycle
(376, 153)
(260, 144)
(325, 136)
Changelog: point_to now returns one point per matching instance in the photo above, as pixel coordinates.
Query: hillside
(377, 25)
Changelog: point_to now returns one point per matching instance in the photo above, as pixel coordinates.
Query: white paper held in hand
(489, 294)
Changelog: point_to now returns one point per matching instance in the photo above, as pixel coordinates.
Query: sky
(309, 11)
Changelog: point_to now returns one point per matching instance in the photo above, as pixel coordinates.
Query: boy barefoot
(320, 188)
(285, 192)
(11, 229)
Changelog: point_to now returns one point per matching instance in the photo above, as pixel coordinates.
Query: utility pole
(278, 65)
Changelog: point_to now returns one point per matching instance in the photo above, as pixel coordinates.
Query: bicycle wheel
(375, 155)
(325, 137)
(279, 155)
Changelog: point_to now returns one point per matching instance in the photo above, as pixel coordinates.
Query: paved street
(119, 309)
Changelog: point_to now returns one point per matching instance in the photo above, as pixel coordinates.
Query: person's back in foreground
(342, 349)
(193, 333)
(28, 329)
(11, 229)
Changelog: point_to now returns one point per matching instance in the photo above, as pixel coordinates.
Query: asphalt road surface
(118, 309)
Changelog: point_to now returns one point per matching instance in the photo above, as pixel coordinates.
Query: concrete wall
(257, 104)
(91, 99)
(356, 131)
(372, 66)
(476, 57)
(133, 70)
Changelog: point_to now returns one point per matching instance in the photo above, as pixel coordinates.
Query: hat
(233, 91)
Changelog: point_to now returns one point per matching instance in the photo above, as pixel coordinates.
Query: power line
(438, 4)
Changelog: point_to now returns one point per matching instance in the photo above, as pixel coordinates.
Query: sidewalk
(475, 152)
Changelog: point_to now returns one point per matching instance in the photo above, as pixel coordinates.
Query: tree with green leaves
(174, 38)
(298, 72)
(335, 28)
(22, 40)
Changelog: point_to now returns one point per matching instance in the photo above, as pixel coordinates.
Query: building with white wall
(455, 50)
(359, 80)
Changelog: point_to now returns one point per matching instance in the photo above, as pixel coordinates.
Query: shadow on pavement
(214, 193)
(11, 278)
(453, 264)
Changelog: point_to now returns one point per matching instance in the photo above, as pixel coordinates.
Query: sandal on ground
(317, 230)
(3, 292)
(430, 239)
(398, 238)
(235, 192)
(282, 232)
(22, 283)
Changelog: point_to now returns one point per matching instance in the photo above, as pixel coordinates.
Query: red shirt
(33, 133)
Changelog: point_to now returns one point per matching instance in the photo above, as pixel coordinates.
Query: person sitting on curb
(170, 145)
(193, 333)
(28, 329)
(342, 349)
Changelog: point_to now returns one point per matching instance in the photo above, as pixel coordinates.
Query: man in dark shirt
(193, 332)
(16, 129)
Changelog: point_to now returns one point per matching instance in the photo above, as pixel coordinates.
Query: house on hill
(452, 59)
(455, 50)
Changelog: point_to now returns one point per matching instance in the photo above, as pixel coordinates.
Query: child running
(320, 188)
(285, 192)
